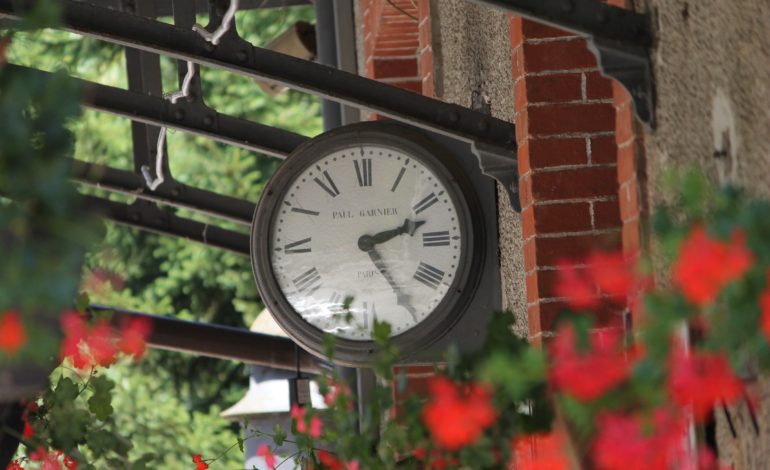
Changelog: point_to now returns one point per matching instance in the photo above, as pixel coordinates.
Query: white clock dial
(368, 222)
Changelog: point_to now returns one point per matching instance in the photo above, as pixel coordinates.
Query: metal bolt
(454, 116)
(179, 114)
(241, 56)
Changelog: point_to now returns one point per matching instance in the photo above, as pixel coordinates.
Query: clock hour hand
(409, 226)
(402, 299)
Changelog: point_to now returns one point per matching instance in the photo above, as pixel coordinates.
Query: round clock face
(362, 226)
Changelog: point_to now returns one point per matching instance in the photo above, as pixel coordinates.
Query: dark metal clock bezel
(444, 166)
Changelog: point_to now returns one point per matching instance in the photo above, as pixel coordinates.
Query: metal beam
(147, 216)
(222, 342)
(189, 117)
(173, 194)
(238, 56)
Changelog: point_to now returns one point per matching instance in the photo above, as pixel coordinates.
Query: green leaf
(65, 392)
(68, 426)
(279, 436)
(240, 444)
(100, 402)
(100, 441)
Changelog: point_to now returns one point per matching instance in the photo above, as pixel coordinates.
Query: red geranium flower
(705, 265)
(12, 332)
(298, 414)
(14, 465)
(457, 417)
(539, 452)
(609, 274)
(629, 442)
(70, 463)
(101, 344)
(700, 379)
(266, 453)
(589, 374)
(133, 336)
(199, 463)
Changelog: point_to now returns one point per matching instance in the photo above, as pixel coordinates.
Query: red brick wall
(565, 128)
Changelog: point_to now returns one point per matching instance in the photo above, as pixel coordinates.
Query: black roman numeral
(304, 211)
(429, 200)
(307, 282)
(398, 179)
(329, 185)
(301, 246)
(364, 171)
(435, 238)
(429, 275)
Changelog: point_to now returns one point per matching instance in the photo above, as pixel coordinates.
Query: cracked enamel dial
(369, 222)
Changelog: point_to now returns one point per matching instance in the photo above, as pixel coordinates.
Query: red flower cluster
(457, 417)
(630, 442)
(608, 274)
(706, 265)
(266, 453)
(88, 345)
(14, 465)
(700, 379)
(589, 374)
(199, 463)
(313, 429)
(337, 390)
(50, 459)
(12, 333)
(540, 452)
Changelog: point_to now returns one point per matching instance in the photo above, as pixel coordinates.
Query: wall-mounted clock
(377, 212)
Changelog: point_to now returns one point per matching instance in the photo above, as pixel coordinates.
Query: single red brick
(520, 98)
(517, 35)
(530, 255)
(528, 222)
(533, 291)
(426, 63)
(626, 163)
(631, 236)
(574, 183)
(389, 53)
(619, 94)
(523, 158)
(550, 251)
(571, 118)
(603, 149)
(425, 34)
(606, 316)
(533, 319)
(428, 86)
(558, 55)
(624, 118)
(598, 87)
(423, 9)
(554, 88)
(537, 30)
(563, 217)
(525, 190)
(547, 281)
(607, 214)
(517, 61)
(391, 68)
(545, 153)
(628, 198)
(521, 121)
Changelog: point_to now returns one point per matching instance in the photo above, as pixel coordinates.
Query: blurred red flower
(630, 442)
(701, 379)
(588, 374)
(298, 414)
(266, 453)
(609, 274)
(199, 463)
(133, 336)
(540, 452)
(12, 333)
(14, 465)
(706, 265)
(76, 332)
(457, 417)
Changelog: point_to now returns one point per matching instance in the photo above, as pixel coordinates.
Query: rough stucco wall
(472, 53)
(712, 73)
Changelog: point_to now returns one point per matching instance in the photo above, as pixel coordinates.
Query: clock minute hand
(401, 298)
(409, 226)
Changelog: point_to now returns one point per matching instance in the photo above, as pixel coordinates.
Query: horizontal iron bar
(170, 193)
(146, 216)
(189, 117)
(222, 342)
(238, 56)
(164, 7)
(588, 17)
